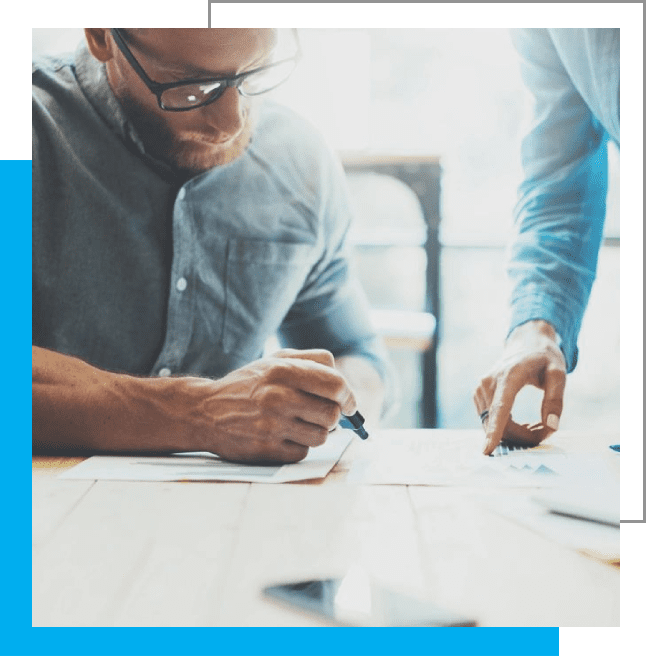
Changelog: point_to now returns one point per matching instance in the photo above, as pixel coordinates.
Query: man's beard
(193, 153)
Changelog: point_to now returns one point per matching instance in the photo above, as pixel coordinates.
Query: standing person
(178, 223)
(573, 75)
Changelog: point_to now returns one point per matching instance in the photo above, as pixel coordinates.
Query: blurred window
(456, 94)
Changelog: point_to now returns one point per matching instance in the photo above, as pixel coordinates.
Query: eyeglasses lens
(192, 95)
(285, 53)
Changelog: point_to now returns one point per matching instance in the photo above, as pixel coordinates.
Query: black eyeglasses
(197, 92)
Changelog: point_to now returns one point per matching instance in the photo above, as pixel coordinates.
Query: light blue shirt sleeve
(561, 208)
(332, 309)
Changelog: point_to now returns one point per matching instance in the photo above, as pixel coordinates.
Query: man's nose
(226, 115)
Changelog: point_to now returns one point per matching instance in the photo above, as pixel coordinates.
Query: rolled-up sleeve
(561, 207)
(332, 310)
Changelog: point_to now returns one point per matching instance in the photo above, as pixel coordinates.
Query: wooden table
(110, 553)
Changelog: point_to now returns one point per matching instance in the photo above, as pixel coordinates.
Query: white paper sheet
(441, 457)
(199, 466)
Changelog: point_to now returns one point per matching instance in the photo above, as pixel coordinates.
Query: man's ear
(99, 43)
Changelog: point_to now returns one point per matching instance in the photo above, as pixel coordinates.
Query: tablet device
(357, 600)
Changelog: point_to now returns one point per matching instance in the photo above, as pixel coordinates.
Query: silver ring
(484, 415)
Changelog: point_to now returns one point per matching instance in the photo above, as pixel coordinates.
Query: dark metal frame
(158, 88)
(423, 176)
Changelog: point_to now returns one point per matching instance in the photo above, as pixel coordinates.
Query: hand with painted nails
(531, 357)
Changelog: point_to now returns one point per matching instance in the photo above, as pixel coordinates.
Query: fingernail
(553, 422)
(485, 448)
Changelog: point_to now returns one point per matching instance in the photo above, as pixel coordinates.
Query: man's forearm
(539, 326)
(271, 410)
(76, 406)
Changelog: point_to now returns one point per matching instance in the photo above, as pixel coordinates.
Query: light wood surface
(110, 553)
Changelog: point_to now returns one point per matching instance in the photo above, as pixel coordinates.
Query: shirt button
(164, 372)
(182, 193)
(181, 284)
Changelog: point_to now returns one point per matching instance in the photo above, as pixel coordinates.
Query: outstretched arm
(559, 220)
(271, 410)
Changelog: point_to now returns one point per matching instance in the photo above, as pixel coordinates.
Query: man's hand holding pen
(276, 408)
(269, 411)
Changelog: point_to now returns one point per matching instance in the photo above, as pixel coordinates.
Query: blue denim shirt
(573, 75)
(138, 270)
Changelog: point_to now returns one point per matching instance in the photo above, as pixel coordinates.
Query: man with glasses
(178, 223)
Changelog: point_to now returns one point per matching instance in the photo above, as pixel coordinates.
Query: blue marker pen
(354, 423)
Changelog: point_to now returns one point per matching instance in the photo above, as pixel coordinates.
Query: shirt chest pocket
(261, 282)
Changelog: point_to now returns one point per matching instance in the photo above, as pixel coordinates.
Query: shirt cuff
(548, 309)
